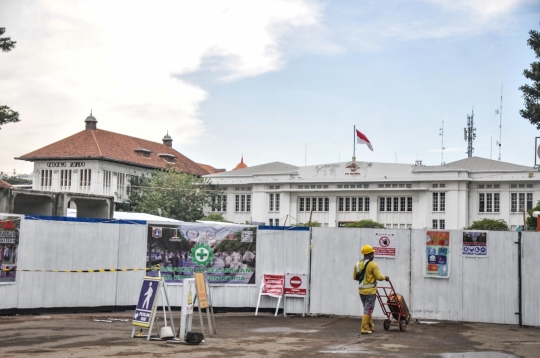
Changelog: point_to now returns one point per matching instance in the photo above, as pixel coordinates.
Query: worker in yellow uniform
(368, 286)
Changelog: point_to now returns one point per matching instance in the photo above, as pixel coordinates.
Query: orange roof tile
(241, 165)
(104, 145)
(211, 169)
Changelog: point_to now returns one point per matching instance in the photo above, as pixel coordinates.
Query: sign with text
(9, 246)
(188, 294)
(475, 244)
(201, 290)
(437, 254)
(146, 303)
(295, 284)
(385, 244)
(272, 285)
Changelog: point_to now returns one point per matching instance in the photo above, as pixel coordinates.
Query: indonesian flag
(362, 139)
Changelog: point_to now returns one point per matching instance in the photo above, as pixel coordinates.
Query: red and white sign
(385, 244)
(272, 285)
(295, 284)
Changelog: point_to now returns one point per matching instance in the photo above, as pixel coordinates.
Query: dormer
(145, 153)
(170, 158)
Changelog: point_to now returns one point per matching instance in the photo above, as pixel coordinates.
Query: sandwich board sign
(273, 286)
(144, 312)
(295, 286)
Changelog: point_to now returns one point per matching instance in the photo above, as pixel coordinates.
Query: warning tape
(153, 268)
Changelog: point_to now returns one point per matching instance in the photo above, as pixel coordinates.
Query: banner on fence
(10, 226)
(475, 244)
(225, 253)
(296, 284)
(385, 244)
(437, 254)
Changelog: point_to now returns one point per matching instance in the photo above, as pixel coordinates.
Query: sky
(272, 80)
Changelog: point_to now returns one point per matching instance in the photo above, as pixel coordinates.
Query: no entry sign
(295, 284)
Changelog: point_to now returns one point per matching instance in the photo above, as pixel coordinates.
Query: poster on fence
(10, 226)
(437, 254)
(272, 285)
(227, 254)
(475, 244)
(385, 244)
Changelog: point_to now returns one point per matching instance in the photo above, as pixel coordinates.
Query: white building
(96, 161)
(449, 196)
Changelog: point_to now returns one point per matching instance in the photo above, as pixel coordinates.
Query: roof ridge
(97, 144)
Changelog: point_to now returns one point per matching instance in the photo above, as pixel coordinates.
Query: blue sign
(145, 304)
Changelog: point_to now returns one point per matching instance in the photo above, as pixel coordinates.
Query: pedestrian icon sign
(146, 303)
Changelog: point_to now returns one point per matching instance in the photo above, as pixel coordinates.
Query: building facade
(401, 196)
(99, 162)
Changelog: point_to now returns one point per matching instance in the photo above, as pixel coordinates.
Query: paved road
(243, 335)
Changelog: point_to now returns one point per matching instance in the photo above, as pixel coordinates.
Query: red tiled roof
(211, 169)
(4, 184)
(241, 165)
(104, 145)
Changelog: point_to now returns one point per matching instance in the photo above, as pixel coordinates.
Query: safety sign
(437, 254)
(385, 244)
(295, 284)
(146, 302)
(475, 244)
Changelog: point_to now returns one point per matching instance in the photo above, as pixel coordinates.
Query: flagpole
(354, 142)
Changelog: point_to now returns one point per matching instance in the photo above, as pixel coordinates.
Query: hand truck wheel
(386, 324)
(402, 325)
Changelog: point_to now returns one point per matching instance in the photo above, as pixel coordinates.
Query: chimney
(91, 122)
(167, 140)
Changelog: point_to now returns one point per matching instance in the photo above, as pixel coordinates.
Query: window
(439, 201)
(353, 204)
(395, 204)
(85, 179)
(442, 224)
(46, 179)
(402, 207)
(388, 204)
(347, 204)
(409, 204)
(107, 175)
(120, 184)
(219, 203)
(317, 204)
(381, 204)
(271, 222)
(489, 202)
(242, 203)
(274, 187)
(65, 179)
(525, 200)
(529, 186)
(274, 202)
(434, 224)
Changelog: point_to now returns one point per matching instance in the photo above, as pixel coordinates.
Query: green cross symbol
(201, 254)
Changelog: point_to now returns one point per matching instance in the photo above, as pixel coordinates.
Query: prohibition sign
(384, 241)
(295, 281)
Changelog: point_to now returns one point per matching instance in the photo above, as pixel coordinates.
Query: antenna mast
(499, 112)
(470, 134)
(441, 133)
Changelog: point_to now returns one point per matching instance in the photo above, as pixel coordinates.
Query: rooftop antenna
(441, 133)
(499, 112)
(470, 133)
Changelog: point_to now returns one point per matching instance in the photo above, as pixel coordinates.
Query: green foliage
(234, 243)
(7, 115)
(490, 225)
(215, 217)
(308, 224)
(13, 180)
(531, 93)
(365, 224)
(179, 195)
(531, 222)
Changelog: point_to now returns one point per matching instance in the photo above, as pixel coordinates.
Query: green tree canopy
(179, 195)
(531, 222)
(7, 115)
(13, 180)
(531, 93)
(365, 224)
(489, 224)
(309, 224)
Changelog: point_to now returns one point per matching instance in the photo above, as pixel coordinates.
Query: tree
(13, 180)
(7, 115)
(490, 225)
(531, 93)
(215, 217)
(365, 224)
(531, 222)
(179, 195)
(308, 224)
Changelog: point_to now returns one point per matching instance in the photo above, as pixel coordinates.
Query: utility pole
(470, 134)
(441, 133)
(499, 112)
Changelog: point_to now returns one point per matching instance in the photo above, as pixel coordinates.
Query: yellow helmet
(367, 249)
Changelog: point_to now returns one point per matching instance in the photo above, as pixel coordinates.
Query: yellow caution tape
(153, 268)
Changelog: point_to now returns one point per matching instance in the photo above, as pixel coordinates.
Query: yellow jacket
(371, 276)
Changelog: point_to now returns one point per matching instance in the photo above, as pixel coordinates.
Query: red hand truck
(394, 307)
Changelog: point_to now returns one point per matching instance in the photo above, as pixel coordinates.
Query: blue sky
(266, 79)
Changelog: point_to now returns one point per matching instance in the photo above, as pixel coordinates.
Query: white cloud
(119, 58)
